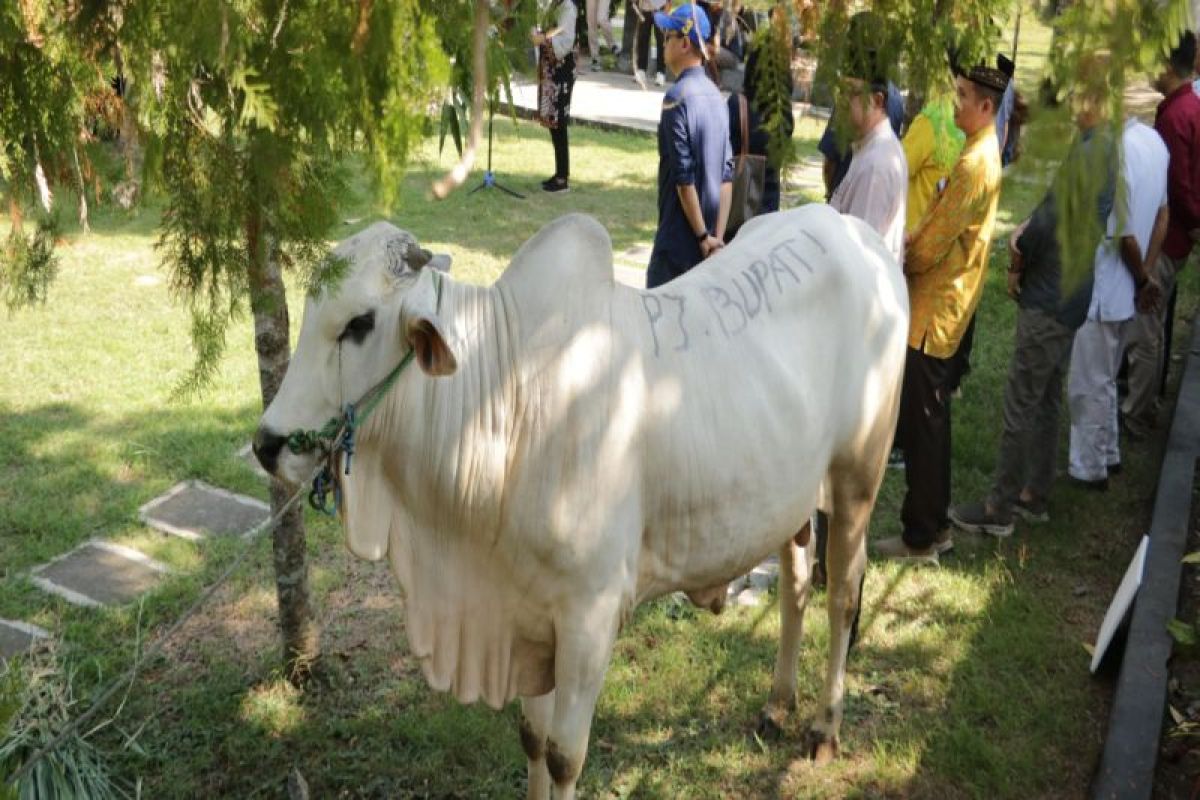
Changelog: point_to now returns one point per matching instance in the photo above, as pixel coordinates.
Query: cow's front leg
(536, 715)
(581, 655)
(795, 573)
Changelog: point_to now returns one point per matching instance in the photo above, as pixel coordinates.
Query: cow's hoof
(767, 728)
(820, 747)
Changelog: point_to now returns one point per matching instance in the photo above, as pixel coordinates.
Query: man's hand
(1016, 262)
(709, 245)
(1149, 297)
(1014, 285)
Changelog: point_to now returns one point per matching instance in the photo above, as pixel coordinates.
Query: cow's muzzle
(267, 446)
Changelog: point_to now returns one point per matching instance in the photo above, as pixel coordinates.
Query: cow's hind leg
(795, 573)
(855, 487)
(536, 715)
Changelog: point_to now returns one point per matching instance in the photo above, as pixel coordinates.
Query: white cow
(571, 447)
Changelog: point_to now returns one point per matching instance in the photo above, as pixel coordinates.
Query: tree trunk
(268, 301)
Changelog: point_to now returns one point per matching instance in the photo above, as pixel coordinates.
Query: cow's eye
(358, 328)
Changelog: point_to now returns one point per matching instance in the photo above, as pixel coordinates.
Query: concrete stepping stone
(246, 454)
(751, 597)
(17, 637)
(99, 574)
(195, 510)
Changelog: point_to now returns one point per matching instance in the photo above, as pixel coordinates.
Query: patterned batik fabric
(556, 80)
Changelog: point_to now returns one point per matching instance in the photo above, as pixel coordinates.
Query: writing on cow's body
(730, 305)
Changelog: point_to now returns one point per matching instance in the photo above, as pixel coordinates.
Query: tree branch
(455, 177)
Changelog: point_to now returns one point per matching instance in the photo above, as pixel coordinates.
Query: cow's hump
(572, 251)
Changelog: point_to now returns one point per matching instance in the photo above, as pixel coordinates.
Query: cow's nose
(266, 448)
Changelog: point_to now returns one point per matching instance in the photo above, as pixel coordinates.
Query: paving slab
(99, 574)
(751, 597)
(17, 637)
(195, 510)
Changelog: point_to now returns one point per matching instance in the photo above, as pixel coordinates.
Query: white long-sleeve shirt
(875, 188)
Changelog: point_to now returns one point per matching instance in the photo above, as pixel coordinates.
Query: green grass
(969, 680)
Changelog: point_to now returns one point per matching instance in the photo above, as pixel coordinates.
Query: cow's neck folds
(448, 437)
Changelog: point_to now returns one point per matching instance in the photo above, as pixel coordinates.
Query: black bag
(749, 177)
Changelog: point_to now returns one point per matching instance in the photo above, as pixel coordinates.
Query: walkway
(614, 101)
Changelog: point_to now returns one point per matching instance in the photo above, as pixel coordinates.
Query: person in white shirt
(1123, 285)
(598, 22)
(876, 187)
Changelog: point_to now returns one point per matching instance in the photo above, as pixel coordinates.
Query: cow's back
(760, 365)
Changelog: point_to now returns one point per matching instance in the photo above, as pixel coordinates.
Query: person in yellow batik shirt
(931, 146)
(945, 261)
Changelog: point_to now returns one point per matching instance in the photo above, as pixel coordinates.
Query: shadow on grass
(70, 476)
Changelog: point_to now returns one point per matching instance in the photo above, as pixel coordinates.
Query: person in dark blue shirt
(695, 170)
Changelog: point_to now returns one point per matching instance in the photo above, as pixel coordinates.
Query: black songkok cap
(987, 76)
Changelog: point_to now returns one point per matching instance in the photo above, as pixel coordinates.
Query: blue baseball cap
(689, 19)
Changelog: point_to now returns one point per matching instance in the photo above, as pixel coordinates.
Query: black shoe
(556, 185)
(1114, 469)
(1100, 485)
(1031, 510)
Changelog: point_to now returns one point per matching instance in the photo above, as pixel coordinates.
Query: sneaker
(556, 185)
(896, 458)
(659, 79)
(1034, 510)
(944, 542)
(596, 65)
(975, 518)
(639, 77)
(896, 549)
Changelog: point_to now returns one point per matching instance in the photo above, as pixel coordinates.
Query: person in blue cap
(695, 169)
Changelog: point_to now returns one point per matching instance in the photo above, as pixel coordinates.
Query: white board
(1121, 603)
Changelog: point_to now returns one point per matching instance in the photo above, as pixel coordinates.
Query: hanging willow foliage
(917, 38)
(252, 108)
(43, 83)
(1104, 45)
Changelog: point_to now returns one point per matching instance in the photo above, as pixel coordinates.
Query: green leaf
(1191, 558)
(1182, 632)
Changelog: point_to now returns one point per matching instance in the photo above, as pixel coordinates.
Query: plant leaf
(1182, 632)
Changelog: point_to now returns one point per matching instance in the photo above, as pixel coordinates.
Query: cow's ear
(429, 343)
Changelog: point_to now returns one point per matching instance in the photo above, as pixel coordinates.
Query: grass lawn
(969, 680)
